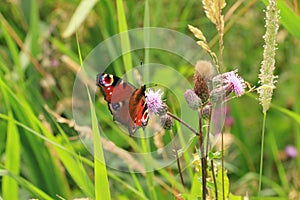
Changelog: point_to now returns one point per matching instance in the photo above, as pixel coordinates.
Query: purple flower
(155, 103)
(229, 121)
(234, 83)
(54, 62)
(291, 151)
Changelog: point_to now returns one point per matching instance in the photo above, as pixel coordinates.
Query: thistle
(167, 122)
(155, 103)
(225, 84)
(266, 77)
(234, 83)
(203, 73)
(193, 101)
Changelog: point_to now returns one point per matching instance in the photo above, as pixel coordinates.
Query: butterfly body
(126, 103)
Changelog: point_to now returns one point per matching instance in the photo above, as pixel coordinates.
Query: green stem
(214, 178)
(262, 153)
(222, 150)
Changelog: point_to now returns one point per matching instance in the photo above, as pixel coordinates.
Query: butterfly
(126, 103)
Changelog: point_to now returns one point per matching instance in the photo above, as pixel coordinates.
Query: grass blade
(125, 43)
(34, 28)
(279, 165)
(10, 188)
(46, 174)
(289, 113)
(25, 184)
(13, 48)
(289, 19)
(101, 180)
(79, 16)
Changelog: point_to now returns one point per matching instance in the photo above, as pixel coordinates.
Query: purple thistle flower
(155, 103)
(234, 82)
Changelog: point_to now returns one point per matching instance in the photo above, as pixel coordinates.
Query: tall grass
(41, 155)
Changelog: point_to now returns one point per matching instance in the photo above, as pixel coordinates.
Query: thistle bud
(218, 94)
(167, 122)
(192, 99)
(162, 110)
(203, 73)
(206, 111)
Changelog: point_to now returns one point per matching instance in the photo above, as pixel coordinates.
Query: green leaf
(221, 185)
(214, 155)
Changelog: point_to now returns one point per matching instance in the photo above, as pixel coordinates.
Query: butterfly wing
(126, 103)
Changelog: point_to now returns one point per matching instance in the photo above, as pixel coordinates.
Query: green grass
(41, 153)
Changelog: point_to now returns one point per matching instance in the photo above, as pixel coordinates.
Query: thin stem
(214, 178)
(182, 122)
(208, 131)
(203, 157)
(177, 158)
(261, 154)
(222, 150)
(206, 152)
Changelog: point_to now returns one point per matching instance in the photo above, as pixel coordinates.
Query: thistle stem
(214, 178)
(203, 156)
(222, 150)
(208, 131)
(177, 158)
(182, 122)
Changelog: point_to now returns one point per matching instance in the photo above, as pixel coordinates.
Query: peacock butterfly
(126, 103)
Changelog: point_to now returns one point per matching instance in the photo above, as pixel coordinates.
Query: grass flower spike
(266, 77)
(155, 103)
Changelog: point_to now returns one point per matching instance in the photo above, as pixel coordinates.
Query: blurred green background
(40, 150)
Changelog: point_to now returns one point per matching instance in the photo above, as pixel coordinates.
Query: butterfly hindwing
(126, 103)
